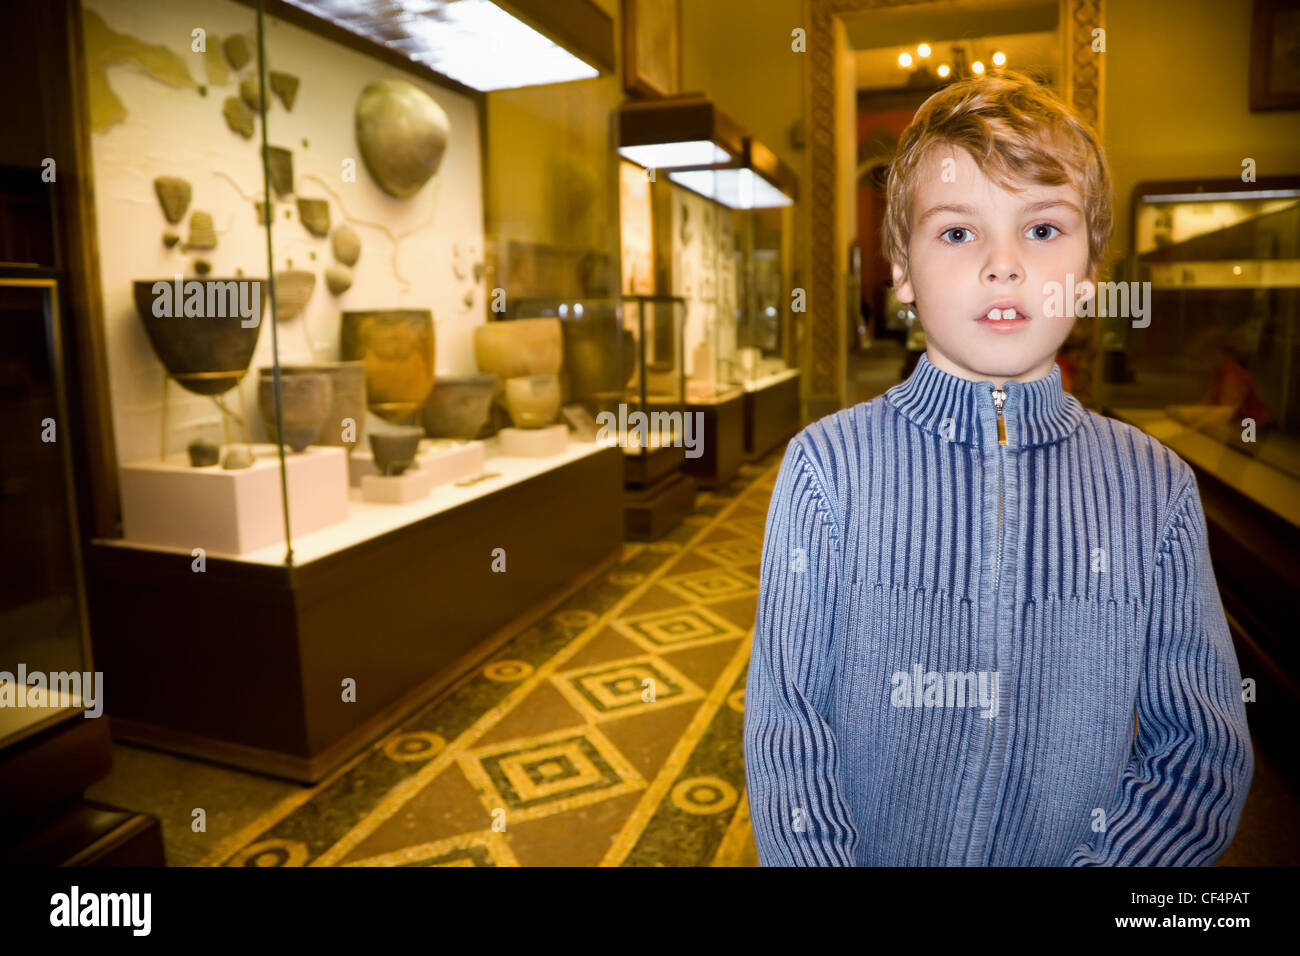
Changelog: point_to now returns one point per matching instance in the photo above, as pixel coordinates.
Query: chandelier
(964, 60)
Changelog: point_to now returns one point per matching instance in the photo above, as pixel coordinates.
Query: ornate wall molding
(1082, 83)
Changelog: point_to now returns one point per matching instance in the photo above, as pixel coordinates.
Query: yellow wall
(1178, 99)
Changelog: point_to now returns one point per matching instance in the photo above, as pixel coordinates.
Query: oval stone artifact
(403, 135)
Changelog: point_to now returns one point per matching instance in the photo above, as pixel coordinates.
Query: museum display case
(1199, 341)
(719, 221)
(309, 376)
(626, 370)
(42, 607)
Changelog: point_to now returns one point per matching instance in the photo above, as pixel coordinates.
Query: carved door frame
(824, 248)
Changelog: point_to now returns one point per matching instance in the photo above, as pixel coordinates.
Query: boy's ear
(902, 284)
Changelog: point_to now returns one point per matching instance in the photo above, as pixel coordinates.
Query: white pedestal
(533, 442)
(170, 504)
(445, 463)
(400, 489)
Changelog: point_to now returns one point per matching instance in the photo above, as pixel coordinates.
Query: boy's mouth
(1005, 315)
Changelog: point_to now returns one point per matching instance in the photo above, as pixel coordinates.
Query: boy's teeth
(997, 314)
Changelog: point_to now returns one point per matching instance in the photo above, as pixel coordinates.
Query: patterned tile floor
(609, 733)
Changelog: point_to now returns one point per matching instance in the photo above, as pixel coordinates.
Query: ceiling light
(904, 60)
(923, 50)
(483, 44)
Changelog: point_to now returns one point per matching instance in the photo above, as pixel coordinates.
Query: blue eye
(1044, 225)
(952, 242)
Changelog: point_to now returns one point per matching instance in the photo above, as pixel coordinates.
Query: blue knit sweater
(954, 637)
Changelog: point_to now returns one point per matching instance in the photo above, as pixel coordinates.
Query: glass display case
(1205, 357)
(42, 623)
(301, 284)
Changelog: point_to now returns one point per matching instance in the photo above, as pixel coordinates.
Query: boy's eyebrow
(962, 209)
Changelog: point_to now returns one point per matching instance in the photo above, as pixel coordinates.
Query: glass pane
(40, 607)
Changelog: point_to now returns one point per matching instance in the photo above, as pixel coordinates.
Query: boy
(972, 586)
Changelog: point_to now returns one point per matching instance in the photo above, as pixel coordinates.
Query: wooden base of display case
(721, 445)
(650, 513)
(291, 670)
(771, 413)
(651, 466)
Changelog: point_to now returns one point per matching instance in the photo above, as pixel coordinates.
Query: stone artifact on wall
(402, 134)
(397, 347)
(306, 398)
(206, 347)
(285, 86)
(174, 196)
(280, 162)
(338, 279)
(293, 288)
(315, 215)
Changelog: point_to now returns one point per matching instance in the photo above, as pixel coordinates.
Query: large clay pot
(403, 135)
(518, 347)
(458, 406)
(305, 398)
(349, 386)
(600, 356)
(394, 451)
(533, 400)
(397, 347)
(209, 353)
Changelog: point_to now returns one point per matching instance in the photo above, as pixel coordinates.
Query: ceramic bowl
(533, 400)
(209, 353)
(397, 347)
(306, 399)
(458, 406)
(394, 451)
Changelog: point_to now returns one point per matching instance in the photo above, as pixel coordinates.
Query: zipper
(999, 399)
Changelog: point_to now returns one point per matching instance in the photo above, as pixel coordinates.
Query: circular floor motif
(417, 745)
(271, 853)
(702, 795)
(507, 671)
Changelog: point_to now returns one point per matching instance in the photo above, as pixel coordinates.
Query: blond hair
(1015, 130)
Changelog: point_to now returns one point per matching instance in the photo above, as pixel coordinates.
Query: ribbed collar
(1035, 413)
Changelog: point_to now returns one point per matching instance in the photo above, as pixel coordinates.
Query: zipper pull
(999, 398)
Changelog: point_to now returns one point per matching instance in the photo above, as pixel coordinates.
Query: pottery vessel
(394, 451)
(600, 356)
(206, 354)
(458, 406)
(306, 399)
(533, 400)
(397, 347)
(510, 349)
(348, 381)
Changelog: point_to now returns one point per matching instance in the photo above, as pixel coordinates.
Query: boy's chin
(1007, 362)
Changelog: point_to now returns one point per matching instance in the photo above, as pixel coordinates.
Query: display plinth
(652, 511)
(170, 504)
(533, 442)
(443, 462)
(396, 489)
(771, 412)
(243, 664)
(719, 431)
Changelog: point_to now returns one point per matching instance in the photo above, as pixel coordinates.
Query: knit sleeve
(796, 798)
(1180, 799)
